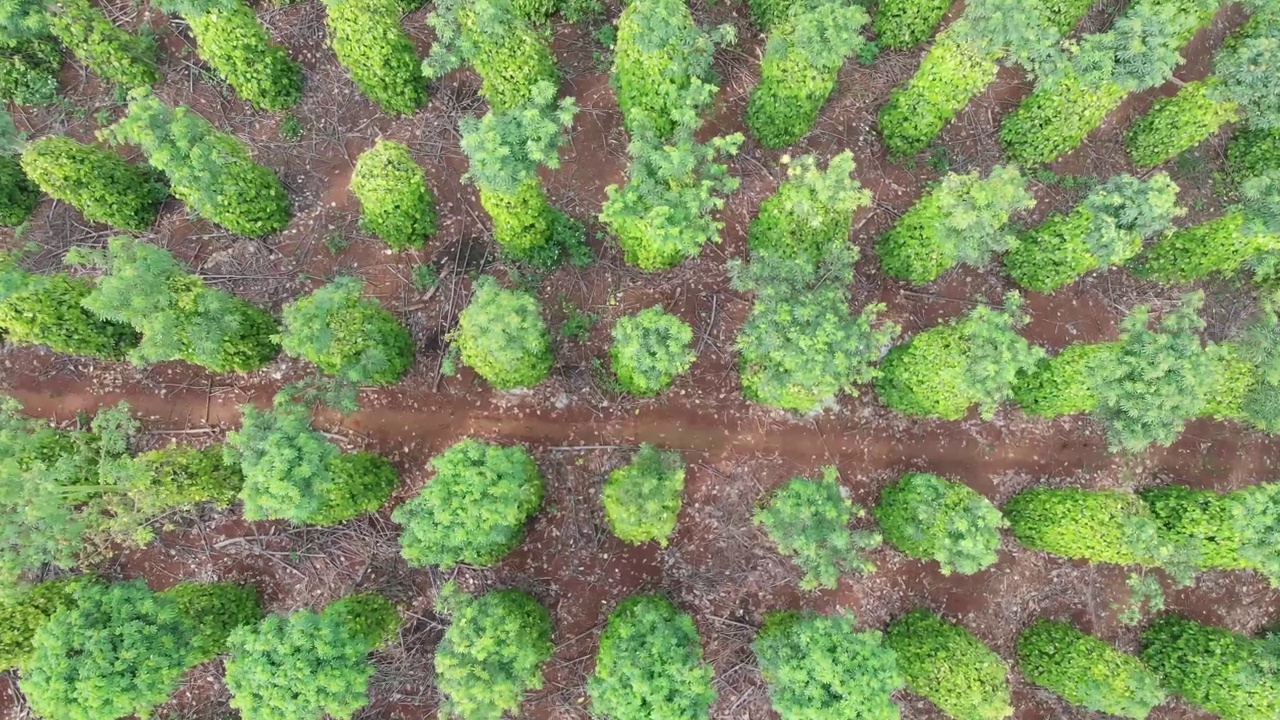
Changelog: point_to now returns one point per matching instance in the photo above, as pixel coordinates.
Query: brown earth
(718, 566)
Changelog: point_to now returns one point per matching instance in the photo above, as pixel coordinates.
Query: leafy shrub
(308, 665)
(1176, 124)
(178, 317)
(97, 182)
(947, 665)
(1219, 246)
(1106, 229)
(369, 42)
(903, 24)
(502, 336)
(1201, 522)
(1252, 152)
(665, 212)
(178, 476)
(1056, 119)
(1103, 526)
(492, 652)
(962, 220)
(292, 472)
(972, 360)
(45, 310)
(29, 70)
(1028, 33)
(1257, 520)
(1086, 671)
(215, 610)
(1243, 66)
(661, 68)
(395, 202)
(651, 348)
(650, 665)
(811, 212)
(211, 171)
(18, 194)
(233, 41)
(809, 522)
(346, 335)
(818, 666)
(475, 509)
(111, 53)
(22, 615)
(642, 498)
(1061, 384)
(799, 70)
(1212, 668)
(767, 13)
(931, 518)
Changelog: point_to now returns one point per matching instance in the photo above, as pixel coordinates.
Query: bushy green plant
(1256, 516)
(492, 652)
(963, 219)
(661, 68)
(46, 310)
(972, 360)
(811, 212)
(800, 67)
(819, 666)
(346, 335)
(495, 38)
(395, 202)
(651, 348)
(1215, 247)
(809, 522)
(1052, 122)
(932, 518)
(308, 665)
(369, 42)
(19, 196)
(1212, 668)
(903, 24)
(1086, 671)
(181, 477)
(642, 498)
(215, 610)
(26, 612)
(666, 211)
(1028, 33)
(650, 665)
(1176, 124)
(1061, 384)
(115, 55)
(1201, 522)
(1252, 152)
(177, 315)
(1104, 526)
(502, 336)
(1243, 67)
(475, 509)
(95, 181)
(211, 171)
(947, 665)
(29, 70)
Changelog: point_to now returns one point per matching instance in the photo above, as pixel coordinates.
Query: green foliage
(1176, 124)
(665, 212)
(181, 477)
(178, 317)
(308, 665)
(18, 194)
(972, 360)
(492, 653)
(369, 42)
(651, 348)
(819, 667)
(1104, 526)
(1086, 671)
(1201, 522)
(642, 498)
(236, 45)
(1146, 595)
(903, 24)
(650, 665)
(1257, 520)
(1028, 32)
(951, 668)
(118, 650)
(1056, 118)
(767, 13)
(963, 219)
(661, 68)
(1154, 380)
(214, 610)
(294, 473)
(29, 70)
(1219, 246)
(811, 212)
(1212, 668)
(395, 202)
(502, 336)
(475, 509)
(1245, 67)
(800, 67)
(25, 613)
(211, 171)
(346, 335)
(932, 518)
(1253, 152)
(809, 522)
(45, 310)
(1061, 384)
(95, 181)
(111, 53)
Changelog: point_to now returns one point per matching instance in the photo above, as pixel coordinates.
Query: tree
(961, 220)
(346, 335)
(177, 315)
(818, 666)
(492, 652)
(1086, 671)
(211, 171)
(292, 472)
(475, 509)
(903, 24)
(809, 522)
(395, 202)
(19, 196)
(1242, 67)
(932, 518)
(119, 57)
(651, 348)
(95, 181)
(46, 310)
(1212, 668)
(650, 666)
(944, 663)
(369, 42)
(642, 498)
(502, 336)
(1103, 526)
